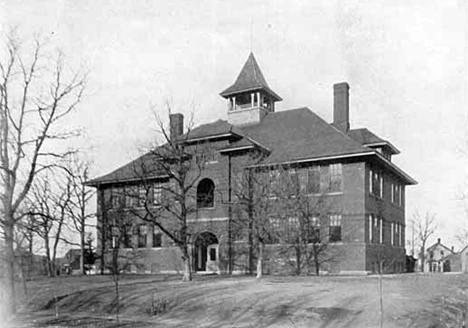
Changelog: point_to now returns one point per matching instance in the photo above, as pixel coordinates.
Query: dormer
(250, 98)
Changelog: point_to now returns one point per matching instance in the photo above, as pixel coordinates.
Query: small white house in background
(436, 258)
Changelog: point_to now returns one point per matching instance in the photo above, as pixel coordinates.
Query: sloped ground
(412, 300)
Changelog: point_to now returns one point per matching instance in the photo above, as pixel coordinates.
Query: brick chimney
(438, 240)
(176, 125)
(341, 106)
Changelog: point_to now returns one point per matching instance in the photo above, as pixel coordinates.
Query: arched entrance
(206, 251)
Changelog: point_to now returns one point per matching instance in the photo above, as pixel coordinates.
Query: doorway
(206, 253)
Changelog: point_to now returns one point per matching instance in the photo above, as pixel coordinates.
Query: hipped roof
(250, 78)
(291, 136)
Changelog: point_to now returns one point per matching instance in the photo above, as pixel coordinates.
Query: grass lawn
(411, 300)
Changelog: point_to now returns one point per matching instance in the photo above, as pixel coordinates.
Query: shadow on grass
(89, 322)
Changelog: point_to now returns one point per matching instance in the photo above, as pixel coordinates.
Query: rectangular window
(393, 192)
(114, 236)
(313, 180)
(273, 177)
(335, 228)
(381, 186)
(294, 181)
(314, 231)
(142, 192)
(376, 233)
(293, 230)
(128, 197)
(381, 231)
(274, 230)
(371, 227)
(397, 194)
(157, 237)
(122, 236)
(392, 231)
(400, 197)
(142, 235)
(157, 193)
(116, 195)
(336, 177)
(401, 235)
(206, 156)
(376, 183)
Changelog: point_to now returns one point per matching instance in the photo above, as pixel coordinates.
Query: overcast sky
(406, 65)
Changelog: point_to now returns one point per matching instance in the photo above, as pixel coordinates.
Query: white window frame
(381, 185)
(157, 193)
(392, 232)
(393, 193)
(380, 231)
(141, 196)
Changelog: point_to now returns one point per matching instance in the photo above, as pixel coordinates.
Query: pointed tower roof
(250, 78)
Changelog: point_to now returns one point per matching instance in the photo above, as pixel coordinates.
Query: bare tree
(255, 211)
(425, 227)
(36, 95)
(120, 260)
(165, 194)
(305, 211)
(81, 195)
(49, 207)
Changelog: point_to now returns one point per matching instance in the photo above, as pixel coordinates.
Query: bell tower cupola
(250, 98)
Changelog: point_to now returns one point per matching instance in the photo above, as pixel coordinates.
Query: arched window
(205, 193)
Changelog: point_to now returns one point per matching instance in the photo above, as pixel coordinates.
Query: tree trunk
(316, 260)
(298, 259)
(187, 275)
(49, 261)
(82, 248)
(423, 257)
(10, 266)
(82, 231)
(260, 261)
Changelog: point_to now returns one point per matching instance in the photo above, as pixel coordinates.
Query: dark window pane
(313, 181)
(335, 234)
(212, 254)
(205, 193)
(157, 239)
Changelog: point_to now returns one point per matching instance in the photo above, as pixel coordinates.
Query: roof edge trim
(96, 184)
(235, 148)
(215, 136)
(396, 168)
(383, 143)
(316, 159)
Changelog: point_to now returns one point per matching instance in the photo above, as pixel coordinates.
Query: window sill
(331, 193)
(205, 208)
